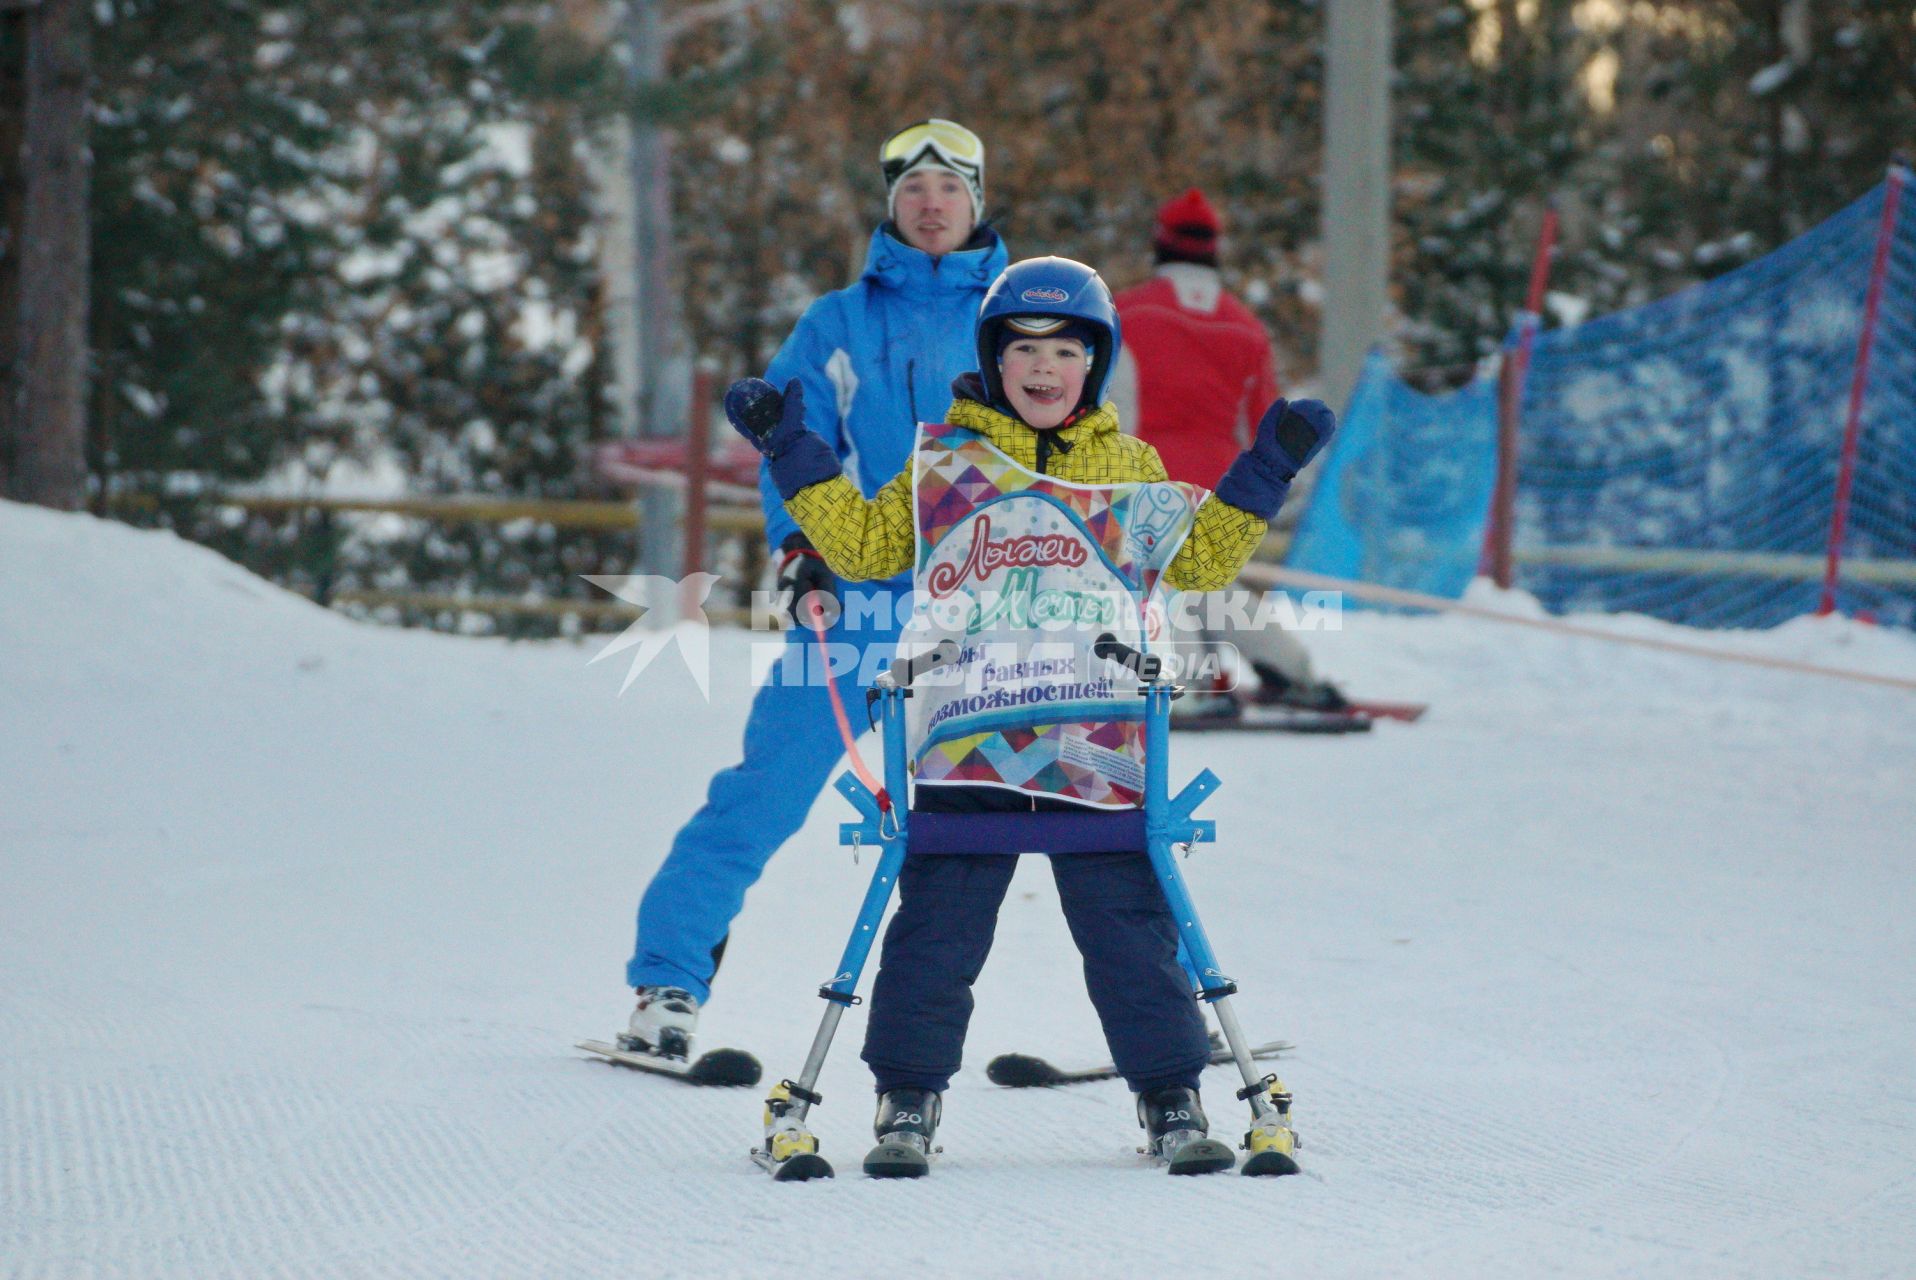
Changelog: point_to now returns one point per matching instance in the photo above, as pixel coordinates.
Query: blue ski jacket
(878, 357)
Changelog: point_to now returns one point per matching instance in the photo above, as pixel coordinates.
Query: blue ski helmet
(1052, 287)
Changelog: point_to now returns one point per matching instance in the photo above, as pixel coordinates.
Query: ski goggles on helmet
(944, 143)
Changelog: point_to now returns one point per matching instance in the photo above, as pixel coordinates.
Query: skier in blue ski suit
(875, 358)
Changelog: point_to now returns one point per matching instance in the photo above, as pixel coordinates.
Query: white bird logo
(683, 599)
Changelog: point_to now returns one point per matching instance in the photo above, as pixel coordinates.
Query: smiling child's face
(1043, 378)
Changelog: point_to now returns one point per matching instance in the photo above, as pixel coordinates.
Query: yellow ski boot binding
(1271, 1140)
(790, 1152)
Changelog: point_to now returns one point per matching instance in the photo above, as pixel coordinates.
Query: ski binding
(790, 1153)
(1271, 1140)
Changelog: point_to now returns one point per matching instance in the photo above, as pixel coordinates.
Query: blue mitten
(775, 424)
(1289, 435)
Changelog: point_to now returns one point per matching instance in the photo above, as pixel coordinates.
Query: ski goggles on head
(940, 142)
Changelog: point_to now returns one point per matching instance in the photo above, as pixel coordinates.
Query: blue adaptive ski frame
(887, 827)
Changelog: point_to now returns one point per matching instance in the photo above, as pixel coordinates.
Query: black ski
(722, 1067)
(1200, 1155)
(1022, 1071)
(890, 1159)
(802, 1167)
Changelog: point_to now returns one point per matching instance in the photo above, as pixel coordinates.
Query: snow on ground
(1603, 969)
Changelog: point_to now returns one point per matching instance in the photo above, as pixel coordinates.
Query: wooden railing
(747, 523)
(743, 522)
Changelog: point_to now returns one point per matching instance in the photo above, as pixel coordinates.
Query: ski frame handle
(903, 673)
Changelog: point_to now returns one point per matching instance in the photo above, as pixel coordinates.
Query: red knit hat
(1187, 229)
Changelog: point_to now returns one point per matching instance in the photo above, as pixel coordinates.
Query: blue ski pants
(941, 933)
(792, 746)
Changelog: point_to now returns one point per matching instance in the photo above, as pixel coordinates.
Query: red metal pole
(698, 457)
(1510, 383)
(1859, 382)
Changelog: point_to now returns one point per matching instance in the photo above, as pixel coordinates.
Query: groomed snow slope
(1603, 969)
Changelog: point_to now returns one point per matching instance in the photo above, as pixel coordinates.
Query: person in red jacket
(1195, 373)
(1202, 370)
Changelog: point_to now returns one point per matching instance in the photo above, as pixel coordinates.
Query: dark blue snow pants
(941, 933)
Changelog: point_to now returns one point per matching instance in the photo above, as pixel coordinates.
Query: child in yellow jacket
(1030, 425)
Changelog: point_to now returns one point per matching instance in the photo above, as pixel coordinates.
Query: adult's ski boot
(1275, 689)
(663, 1024)
(906, 1123)
(1177, 1129)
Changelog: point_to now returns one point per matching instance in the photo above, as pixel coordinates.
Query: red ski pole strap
(816, 616)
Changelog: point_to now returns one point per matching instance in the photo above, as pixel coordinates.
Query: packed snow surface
(1604, 968)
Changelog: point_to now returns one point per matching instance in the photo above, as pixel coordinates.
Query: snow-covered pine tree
(334, 233)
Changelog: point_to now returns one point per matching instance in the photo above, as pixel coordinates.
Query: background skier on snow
(1197, 368)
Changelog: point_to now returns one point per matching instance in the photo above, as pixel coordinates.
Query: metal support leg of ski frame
(1271, 1141)
(790, 1152)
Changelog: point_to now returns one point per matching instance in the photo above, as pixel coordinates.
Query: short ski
(1022, 1071)
(802, 1167)
(891, 1159)
(1200, 1155)
(724, 1067)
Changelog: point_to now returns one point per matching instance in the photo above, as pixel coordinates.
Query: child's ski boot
(907, 1120)
(1175, 1123)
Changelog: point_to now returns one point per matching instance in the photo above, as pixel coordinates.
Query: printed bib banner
(1026, 571)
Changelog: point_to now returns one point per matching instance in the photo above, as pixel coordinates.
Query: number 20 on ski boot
(790, 1152)
(1175, 1123)
(1271, 1140)
(906, 1123)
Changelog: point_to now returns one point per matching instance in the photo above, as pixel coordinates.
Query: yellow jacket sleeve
(1222, 539)
(859, 539)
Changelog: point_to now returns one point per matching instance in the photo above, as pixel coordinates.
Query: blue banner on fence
(1402, 498)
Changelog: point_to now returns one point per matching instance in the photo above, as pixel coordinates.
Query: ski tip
(1020, 1071)
(802, 1168)
(1204, 1155)
(725, 1068)
(894, 1160)
(1269, 1164)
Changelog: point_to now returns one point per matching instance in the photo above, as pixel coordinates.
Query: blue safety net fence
(1677, 459)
